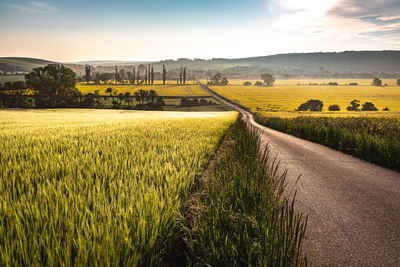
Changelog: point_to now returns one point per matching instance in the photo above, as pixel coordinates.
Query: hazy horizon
(72, 31)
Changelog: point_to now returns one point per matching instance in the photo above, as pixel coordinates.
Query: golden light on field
(118, 176)
(287, 95)
(162, 90)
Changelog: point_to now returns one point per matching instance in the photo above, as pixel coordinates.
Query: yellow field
(286, 98)
(389, 82)
(162, 90)
(98, 187)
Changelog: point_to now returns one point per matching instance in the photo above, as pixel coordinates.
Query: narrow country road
(353, 206)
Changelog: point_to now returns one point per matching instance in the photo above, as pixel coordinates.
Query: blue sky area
(153, 30)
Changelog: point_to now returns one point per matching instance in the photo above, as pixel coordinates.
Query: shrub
(353, 83)
(334, 108)
(311, 105)
(247, 83)
(258, 83)
(333, 83)
(386, 109)
(354, 105)
(368, 106)
(398, 82)
(377, 82)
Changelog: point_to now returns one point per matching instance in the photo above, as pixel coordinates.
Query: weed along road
(353, 206)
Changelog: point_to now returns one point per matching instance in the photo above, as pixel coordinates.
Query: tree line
(54, 86)
(143, 75)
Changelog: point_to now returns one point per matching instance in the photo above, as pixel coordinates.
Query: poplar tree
(137, 76)
(164, 74)
(133, 75)
(184, 75)
(180, 76)
(152, 74)
(116, 74)
(87, 70)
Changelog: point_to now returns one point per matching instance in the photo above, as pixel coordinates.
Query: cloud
(36, 7)
(341, 19)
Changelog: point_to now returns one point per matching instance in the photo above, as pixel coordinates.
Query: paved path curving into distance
(353, 206)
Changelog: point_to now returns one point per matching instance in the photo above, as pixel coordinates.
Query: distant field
(163, 90)
(286, 98)
(98, 187)
(318, 81)
(11, 78)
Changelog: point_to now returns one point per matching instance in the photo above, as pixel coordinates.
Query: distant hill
(333, 64)
(25, 64)
(21, 63)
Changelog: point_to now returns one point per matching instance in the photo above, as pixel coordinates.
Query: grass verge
(374, 139)
(239, 215)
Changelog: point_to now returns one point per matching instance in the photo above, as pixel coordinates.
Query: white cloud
(342, 20)
(34, 7)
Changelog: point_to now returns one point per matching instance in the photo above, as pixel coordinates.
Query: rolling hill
(332, 64)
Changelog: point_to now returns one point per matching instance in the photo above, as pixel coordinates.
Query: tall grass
(88, 188)
(374, 139)
(240, 216)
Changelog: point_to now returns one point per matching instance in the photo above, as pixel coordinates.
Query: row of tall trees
(142, 75)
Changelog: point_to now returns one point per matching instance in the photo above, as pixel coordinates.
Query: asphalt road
(353, 206)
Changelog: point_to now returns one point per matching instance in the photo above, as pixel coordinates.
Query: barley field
(162, 90)
(285, 97)
(98, 187)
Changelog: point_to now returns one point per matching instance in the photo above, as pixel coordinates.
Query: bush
(333, 83)
(398, 82)
(334, 108)
(368, 106)
(377, 82)
(353, 83)
(354, 105)
(258, 83)
(311, 105)
(185, 102)
(386, 109)
(247, 83)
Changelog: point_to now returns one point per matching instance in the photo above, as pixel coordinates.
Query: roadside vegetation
(374, 139)
(239, 215)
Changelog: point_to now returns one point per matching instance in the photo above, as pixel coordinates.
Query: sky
(73, 30)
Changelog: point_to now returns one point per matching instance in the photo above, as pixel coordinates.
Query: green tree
(109, 90)
(368, 106)
(137, 77)
(164, 74)
(268, 79)
(53, 85)
(136, 95)
(311, 105)
(127, 98)
(181, 75)
(152, 96)
(184, 75)
(334, 108)
(216, 79)
(152, 74)
(117, 76)
(133, 76)
(377, 82)
(121, 97)
(354, 105)
(87, 71)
